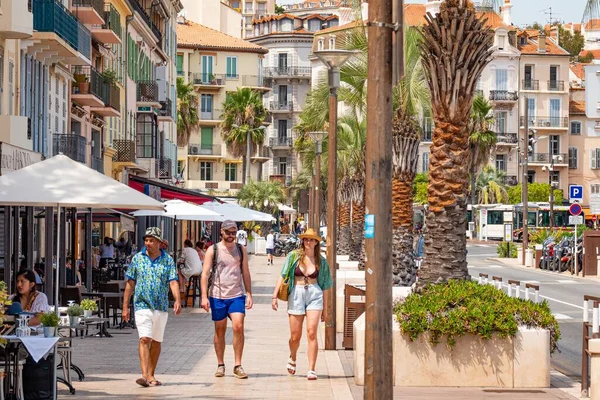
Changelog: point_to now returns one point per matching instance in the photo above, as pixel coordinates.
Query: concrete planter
(519, 362)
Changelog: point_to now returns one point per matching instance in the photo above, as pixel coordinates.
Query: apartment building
(544, 68)
(215, 64)
(215, 14)
(287, 69)
(251, 10)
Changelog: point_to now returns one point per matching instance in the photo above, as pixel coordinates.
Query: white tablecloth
(37, 346)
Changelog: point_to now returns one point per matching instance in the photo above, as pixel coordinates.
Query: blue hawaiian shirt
(152, 278)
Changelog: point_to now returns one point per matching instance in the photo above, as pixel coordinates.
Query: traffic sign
(575, 219)
(575, 193)
(594, 218)
(575, 209)
(594, 204)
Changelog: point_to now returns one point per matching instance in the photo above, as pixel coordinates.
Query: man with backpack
(226, 290)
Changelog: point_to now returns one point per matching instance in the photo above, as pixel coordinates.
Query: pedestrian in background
(242, 237)
(191, 264)
(150, 275)
(270, 246)
(228, 295)
(309, 277)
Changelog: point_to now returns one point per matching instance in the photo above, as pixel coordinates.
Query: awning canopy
(60, 181)
(182, 210)
(286, 209)
(170, 192)
(238, 213)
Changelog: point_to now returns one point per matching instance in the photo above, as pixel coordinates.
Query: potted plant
(74, 312)
(50, 322)
(88, 306)
(82, 82)
(109, 76)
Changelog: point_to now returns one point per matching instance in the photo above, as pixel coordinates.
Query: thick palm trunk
(358, 222)
(344, 235)
(403, 262)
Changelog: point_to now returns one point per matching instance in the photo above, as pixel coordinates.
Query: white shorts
(151, 324)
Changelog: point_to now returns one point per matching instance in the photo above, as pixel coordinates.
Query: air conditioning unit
(194, 150)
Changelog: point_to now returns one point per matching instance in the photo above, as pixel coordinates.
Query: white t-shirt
(242, 237)
(270, 241)
(107, 251)
(193, 265)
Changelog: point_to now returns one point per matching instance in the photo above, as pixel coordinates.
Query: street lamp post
(317, 138)
(550, 168)
(333, 60)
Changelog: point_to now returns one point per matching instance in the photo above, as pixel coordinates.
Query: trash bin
(354, 306)
(538, 254)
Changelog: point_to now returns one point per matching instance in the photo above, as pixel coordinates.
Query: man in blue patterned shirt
(149, 276)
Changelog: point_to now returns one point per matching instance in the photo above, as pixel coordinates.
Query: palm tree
(242, 127)
(187, 112)
(412, 100)
(262, 196)
(481, 139)
(490, 186)
(455, 49)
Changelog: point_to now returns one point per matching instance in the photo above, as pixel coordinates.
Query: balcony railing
(112, 96)
(212, 115)
(546, 122)
(91, 76)
(71, 145)
(166, 110)
(281, 106)
(511, 138)
(125, 150)
(147, 92)
(205, 78)
(146, 17)
(252, 81)
(531, 84)
(287, 71)
(556, 86)
(510, 180)
(98, 164)
(97, 5)
(195, 149)
(503, 95)
(112, 19)
(281, 141)
(263, 152)
(545, 158)
(51, 16)
(163, 168)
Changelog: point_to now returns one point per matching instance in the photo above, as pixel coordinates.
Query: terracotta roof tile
(191, 34)
(577, 27)
(578, 69)
(494, 21)
(577, 107)
(595, 53)
(592, 24)
(531, 48)
(414, 14)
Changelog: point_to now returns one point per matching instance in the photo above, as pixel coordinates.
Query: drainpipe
(128, 19)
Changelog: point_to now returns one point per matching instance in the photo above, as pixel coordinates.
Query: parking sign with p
(575, 193)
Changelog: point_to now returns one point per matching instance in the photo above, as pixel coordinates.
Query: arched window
(575, 128)
(146, 136)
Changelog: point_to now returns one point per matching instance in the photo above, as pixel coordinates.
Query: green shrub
(458, 308)
(75, 310)
(49, 319)
(89, 305)
(507, 250)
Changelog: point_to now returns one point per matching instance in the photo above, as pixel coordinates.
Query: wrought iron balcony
(287, 71)
(546, 122)
(146, 17)
(504, 138)
(283, 141)
(163, 168)
(112, 96)
(52, 16)
(97, 5)
(529, 84)
(281, 106)
(545, 158)
(98, 164)
(167, 108)
(147, 92)
(112, 19)
(71, 145)
(208, 79)
(125, 151)
(556, 86)
(503, 95)
(196, 149)
(89, 81)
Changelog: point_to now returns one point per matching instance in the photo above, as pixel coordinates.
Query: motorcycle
(547, 253)
(283, 247)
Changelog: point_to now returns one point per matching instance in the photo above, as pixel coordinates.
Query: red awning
(173, 193)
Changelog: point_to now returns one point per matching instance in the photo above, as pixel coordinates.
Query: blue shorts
(269, 251)
(222, 308)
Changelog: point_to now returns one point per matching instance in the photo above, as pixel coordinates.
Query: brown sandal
(142, 382)
(154, 382)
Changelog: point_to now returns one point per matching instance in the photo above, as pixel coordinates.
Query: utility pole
(317, 220)
(248, 157)
(524, 187)
(378, 227)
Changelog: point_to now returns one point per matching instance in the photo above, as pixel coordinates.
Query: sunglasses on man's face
(230, 233)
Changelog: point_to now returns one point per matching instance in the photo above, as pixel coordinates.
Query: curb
(565, 384)
(519, 266)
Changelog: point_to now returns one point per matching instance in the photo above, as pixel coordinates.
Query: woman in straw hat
(309, 278)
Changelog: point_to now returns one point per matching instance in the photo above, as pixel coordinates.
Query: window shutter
(593, 160)
(289, 93)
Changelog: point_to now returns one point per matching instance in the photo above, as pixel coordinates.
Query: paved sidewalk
(188, 362)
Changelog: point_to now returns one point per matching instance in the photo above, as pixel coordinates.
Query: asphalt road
(563, 292)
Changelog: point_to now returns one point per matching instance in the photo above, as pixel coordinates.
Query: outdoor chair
(70, 293)
(112, 304)
(193, 290)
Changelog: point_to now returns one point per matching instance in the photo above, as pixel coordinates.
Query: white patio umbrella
(61, 182)
(237, 213)
(181, 210)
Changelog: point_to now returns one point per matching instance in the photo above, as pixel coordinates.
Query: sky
(529, 11)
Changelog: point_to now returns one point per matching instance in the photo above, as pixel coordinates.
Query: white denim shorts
(305, 298)
(151, 324)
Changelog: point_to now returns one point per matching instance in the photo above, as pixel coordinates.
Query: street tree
(187, 112)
